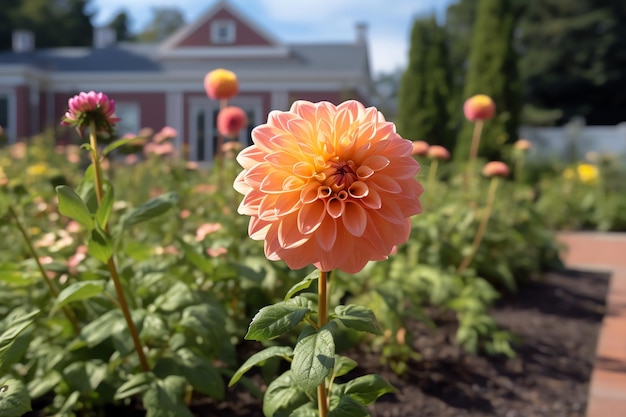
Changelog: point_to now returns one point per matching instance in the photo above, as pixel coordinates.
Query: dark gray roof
(143, 57)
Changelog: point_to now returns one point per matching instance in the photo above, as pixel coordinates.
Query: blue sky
(389, 21)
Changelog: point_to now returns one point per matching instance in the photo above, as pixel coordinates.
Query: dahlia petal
(257, 228)
(299, 128)
(335, 207)
(288, 235)
(286, 203)
(293, 183)
(266, 209)
(280, 159)
(250, 203)
(311, 216)
(304, 169)
(354, 219)
(391, 212)
(376, 162)
(372, 200)
(309, 193)
(385, 183)
(304, 108)
(250, 156)
(364, 172)
(358, 189)
(255, 175)
(326, 233)
(273, 181)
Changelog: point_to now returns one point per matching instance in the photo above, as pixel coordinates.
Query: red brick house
(156, 85)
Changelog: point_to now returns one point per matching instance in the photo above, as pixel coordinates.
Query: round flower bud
(479, 107)
(221, 84)
(522, 145)
(230, 120)
(438, 152)
(420, 148)
(496, 169)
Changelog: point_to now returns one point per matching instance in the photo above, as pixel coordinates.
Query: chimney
(23, 40)
(361, 33)
(103, 37)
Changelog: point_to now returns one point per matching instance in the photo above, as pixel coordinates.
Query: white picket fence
(574, 140)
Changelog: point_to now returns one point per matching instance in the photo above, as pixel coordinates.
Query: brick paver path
(605, 252)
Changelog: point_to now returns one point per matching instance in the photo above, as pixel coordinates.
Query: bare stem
(482, 227)
(473, 153)
(432, 176)
(322, 319)
(69, 313)
(111, 262)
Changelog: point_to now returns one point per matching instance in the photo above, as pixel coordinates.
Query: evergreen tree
(425, 86)
(493, 71)
(120, 24)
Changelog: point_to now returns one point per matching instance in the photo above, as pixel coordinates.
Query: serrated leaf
(282, 397)
(72, 206)
(77, 291)
(105, 208)
(276, 319)
(259, 358)
(366, 389)
(137, 384)
(164, 398)
(14, 398)
(347, 407)
(358, 318)
(343, 365)
(313, 357)
(200, 373)
(302, 285)
(100, 245)
(151, 209)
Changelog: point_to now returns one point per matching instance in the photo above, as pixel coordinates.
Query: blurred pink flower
(230, 121)
(166, 133)
(479, 107)
(74, 260)
(496, 169)
(522, 145)
(206, 229)
(438, 152)
(73, 227)
(215, 252)
(85, 108)
(184, 214)
(332, 186)
(420, 148)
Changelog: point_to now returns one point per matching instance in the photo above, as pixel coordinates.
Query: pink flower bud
(522, 145)
(479, 107)
(496, 169)
(420, 148)
(438, 152)
(221, 84)
(230, 120)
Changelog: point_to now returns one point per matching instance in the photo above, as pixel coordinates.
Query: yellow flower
(587, 173)
(569, 174)
(37, 169)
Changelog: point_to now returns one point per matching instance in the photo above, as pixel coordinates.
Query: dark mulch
(556, 320)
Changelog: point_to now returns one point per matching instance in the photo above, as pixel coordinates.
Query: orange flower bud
(522, 145)
(230, 120)
(420, 148)
(496, 169)
(221, 84)
(438, 152)
(479, 107)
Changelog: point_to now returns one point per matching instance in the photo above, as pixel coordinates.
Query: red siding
(23, 111)
(245, 35)
(152, 107)
(315, 96)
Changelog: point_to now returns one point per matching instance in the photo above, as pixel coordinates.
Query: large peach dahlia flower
(332, 186)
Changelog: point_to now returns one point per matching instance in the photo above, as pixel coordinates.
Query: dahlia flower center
(340, 175)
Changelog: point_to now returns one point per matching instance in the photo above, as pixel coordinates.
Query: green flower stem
(322, 319)
(111, 263)
(69, 313)
(432, 177)
(482, 227)
(473, 153)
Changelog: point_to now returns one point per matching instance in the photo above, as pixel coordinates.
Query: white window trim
(209, 106)
(230, 27)
(11, 130)
(130, 105)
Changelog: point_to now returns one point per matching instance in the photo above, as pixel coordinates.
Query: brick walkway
(605, 252)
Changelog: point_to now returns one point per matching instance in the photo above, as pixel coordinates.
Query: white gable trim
(225, 52)
(185, 31)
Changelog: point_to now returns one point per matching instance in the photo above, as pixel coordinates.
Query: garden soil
(555, 320)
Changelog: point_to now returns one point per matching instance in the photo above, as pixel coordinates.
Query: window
(7, 118)
(130, 115)
(223, 31)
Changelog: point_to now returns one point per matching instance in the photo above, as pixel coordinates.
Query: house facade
(157, 85)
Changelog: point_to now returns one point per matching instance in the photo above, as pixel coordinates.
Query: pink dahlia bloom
(438, 152)
(496, 169)
(85, 108)
(230, 121)
(479, 107)
(332, 186)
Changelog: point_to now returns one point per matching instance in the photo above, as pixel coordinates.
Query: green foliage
(493, 71)
(424, 91)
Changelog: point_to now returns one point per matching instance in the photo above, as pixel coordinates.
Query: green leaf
(119, 143)
(68, 405)
(16, 326)
(85, 377)
(201, 374)
(42, 385)
(101, 328)
(303, 285)
(313, 357)
(151, 209)
(307, 410)
(164, 398)
(358, 318)
(276, 319)
(200, 261)
(76, 292)
(259, 359)
(137, 384)
(14, 399)
(11, 274)
(343, 365)
(347, 407)
(72, 206)
(99, 245)
(105, 208)
(366, 389)
(282, 397)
